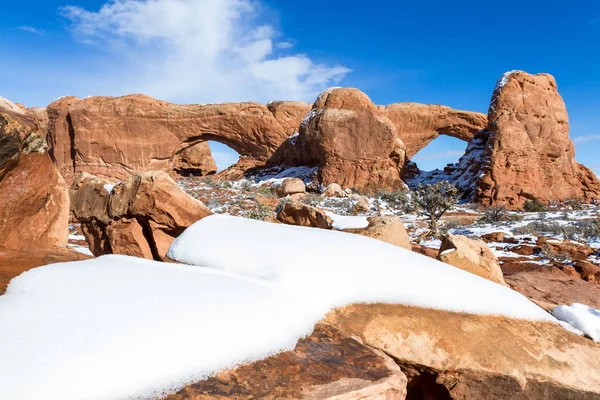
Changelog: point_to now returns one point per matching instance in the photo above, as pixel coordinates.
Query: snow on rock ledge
(342, 268)
(121, 327)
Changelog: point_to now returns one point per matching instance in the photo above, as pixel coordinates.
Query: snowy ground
(147, 327)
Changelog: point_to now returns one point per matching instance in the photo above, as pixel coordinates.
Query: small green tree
(534, 205)
(434, 200)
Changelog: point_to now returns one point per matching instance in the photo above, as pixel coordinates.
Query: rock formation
(288, 187)
(297, 213)
(140, 216)
(506, 358)
(15, 262)
(357, 353)
(473, 256)
(525, 152)
(387, 229)
(289, 114)
(324, 366)
(349, 140)
(115, 137)
(418, 124)
(34, 206)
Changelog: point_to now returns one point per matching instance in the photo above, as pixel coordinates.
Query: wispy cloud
(200, 51)
(444, 154)
(224, 159)
(595, 21)
(582, 139)
(31, 29)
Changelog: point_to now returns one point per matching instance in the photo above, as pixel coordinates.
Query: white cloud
(445, 154)
(582, 139)
(200, 51)
(31, 29)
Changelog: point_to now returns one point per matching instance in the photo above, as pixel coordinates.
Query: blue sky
(199, 51)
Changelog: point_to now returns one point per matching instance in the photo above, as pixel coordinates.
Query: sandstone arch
(419, 124)
(116, 136)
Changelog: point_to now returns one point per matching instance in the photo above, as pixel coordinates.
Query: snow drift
(118, 327)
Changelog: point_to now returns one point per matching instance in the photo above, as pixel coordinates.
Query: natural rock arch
(116, 136)
(419, 124)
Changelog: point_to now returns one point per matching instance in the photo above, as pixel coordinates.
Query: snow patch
(342, 222)
(584, 318)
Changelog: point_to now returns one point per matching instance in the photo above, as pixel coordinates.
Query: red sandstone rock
(289, 114)
(418, 124)
(115, 137)
(15, 262)
(140, 216)
(34, 201)
(528, 151)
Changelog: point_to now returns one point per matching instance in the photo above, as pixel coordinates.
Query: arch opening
(440, 153)
(223, 155)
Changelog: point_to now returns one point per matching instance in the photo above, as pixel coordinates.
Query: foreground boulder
(115, 137)
(449, 355)
(525, 152)
(34, 210)
(387, 229)
(471, 255)
(324, 366)
(297, 213)
(355, 353)
(140, 216)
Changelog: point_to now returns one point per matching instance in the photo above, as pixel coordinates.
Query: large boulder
(471, 255)
(34, 210)
(288, 187)
(114, 137)
(297, 213)
(448, 355)
(525, 152)
(324, 366)
(195, 160)
(289, 114)
(140, 216)
(348, 139)
(419, 124)
(387, 229)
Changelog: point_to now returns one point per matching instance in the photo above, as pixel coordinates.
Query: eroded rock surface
(34, 206)
(140, 216)
(324, 366)
(115, 137)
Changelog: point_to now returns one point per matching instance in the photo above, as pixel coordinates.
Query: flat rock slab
(325, 365)
(15, 262)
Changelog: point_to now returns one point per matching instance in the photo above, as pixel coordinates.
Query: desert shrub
(399, 199)
(538, 228)
(260, 212)
(246, 186)
(573, 204)
(450, 225)
(226, 184)
(264, 191)
(282, 202)
(434, 200)
(534, 205)
(569, 232)
(589, 228)
(515, 217)
(549, 254)
(494, 214)
(312, 199)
